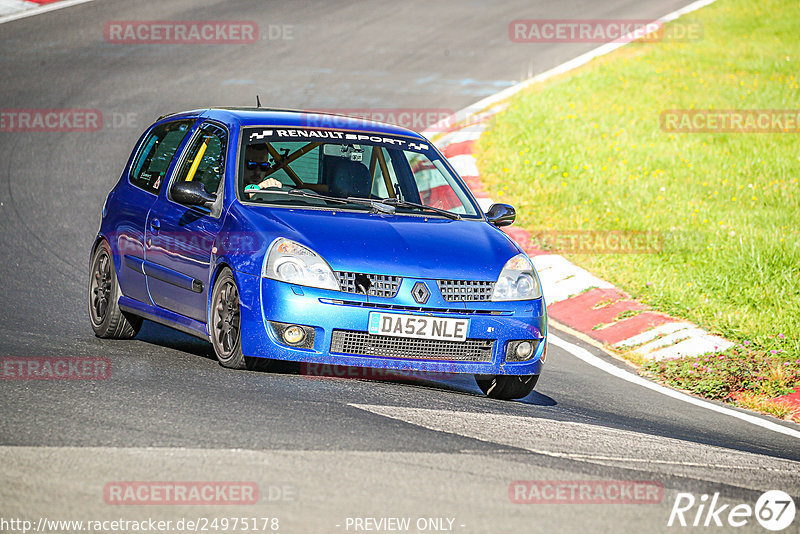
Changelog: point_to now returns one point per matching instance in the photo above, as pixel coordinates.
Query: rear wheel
(108, 321)
(507, 387)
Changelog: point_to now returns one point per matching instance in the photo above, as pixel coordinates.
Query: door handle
(155, 225)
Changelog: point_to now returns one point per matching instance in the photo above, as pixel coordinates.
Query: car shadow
(166, 337)
(456, 383)
(538, 399)
(463, 384)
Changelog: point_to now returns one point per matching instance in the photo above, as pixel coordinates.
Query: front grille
(364, 344)
(465, 290)
(400, 307)
(377, 285)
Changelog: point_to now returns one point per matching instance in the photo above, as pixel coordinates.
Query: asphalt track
(344, 448)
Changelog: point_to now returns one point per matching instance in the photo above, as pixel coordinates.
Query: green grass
(748, 378)
(724, 376)
(776, 408)
(585, 151)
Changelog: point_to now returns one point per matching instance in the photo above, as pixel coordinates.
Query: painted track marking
(599, 363)
(42, 9)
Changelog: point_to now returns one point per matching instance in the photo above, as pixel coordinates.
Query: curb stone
(577, 298)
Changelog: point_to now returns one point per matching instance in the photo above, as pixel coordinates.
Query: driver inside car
(255, 169)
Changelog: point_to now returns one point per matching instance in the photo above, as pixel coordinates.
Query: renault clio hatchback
(318, 238)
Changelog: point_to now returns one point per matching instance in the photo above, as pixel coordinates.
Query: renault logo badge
(420, 293)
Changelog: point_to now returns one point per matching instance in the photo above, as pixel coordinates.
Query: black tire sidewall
(235, 360)
(521, 387)
(508, 387)
(101, 328)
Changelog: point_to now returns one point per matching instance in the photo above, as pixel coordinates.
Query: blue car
(316, 238)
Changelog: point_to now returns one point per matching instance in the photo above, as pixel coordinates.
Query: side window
(205, 158)
(434, 188)
(156, 154)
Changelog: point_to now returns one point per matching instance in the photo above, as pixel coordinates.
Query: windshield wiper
(397, 202)
(374, 205)
(384, 205)
(298, 193)
(308, 194)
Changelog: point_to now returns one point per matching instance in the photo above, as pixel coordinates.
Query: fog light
(524, 350)
(294, 335)
(521, 350)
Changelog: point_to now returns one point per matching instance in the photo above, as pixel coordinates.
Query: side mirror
(192, 194)
(501, 215)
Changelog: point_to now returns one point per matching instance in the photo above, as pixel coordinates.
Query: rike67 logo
(774, 510)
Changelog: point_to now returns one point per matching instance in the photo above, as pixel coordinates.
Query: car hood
(400, 245)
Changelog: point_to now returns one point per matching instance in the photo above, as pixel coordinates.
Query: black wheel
(507, 387)
(225, 327)
(108, 321)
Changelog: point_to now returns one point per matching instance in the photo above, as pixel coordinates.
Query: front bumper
(264, 300)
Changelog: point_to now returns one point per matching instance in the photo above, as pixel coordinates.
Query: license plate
(417, 326)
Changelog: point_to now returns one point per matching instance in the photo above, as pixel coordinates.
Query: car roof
(297, 119)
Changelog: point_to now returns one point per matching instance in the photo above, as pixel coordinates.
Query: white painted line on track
(576, 351)
(15, 6)
(591, 359)
(577, 441)
(477, 107)
(43, 9)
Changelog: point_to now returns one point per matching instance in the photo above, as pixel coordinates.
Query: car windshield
(306, 167)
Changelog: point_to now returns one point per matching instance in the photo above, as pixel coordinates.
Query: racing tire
(108, 320)
(506, 387)
(225, 326)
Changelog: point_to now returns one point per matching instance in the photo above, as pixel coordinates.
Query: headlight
(291, 262)
(517, 281)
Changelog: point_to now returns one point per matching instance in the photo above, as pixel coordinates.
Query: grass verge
(586, 152)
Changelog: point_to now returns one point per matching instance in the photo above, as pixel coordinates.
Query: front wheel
(225, 326)
(506, 387)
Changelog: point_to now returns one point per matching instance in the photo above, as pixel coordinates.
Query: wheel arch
(96, 243)
(218, 268)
